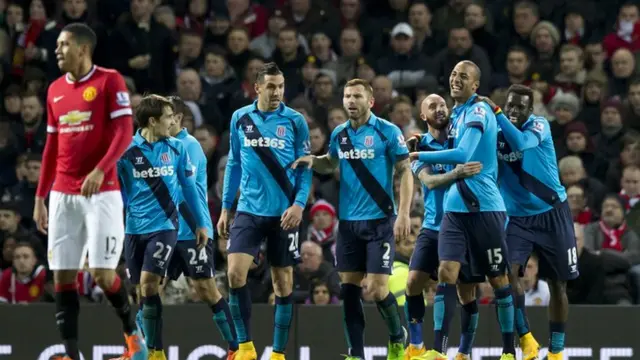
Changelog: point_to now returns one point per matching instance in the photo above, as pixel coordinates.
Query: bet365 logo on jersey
(153, 172)
(510, 157)
(265, 142)
(357, 154)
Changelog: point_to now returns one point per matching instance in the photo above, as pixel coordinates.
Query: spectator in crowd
(627, 31)
(602, 276)
(630, 192)
(336, 115)
(313, 266)
(23, 193)
(632, 114)
(477, 21)
(290, 57)
(204, 109)
(593, 93)
(517, 66)
(545, 38)
(627, 157)
(208, 138)
(427, 39)
(623, 70)
(219, 79)
(572, 171)
(525, 17)
(33, 134)
(572, 75)
(577, 199)
(9, 150)
(610, 139)
(8, 246)
(189, 51)
(24, 282)
(321, 293)
(383, 93)
(11, 227)
(564, 107)
(536, 291)
(612, 234)
(578, 142)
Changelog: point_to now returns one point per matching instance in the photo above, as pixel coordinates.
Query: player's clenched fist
(223, 224)
(413, 141)
(468, 169)
(40, 215)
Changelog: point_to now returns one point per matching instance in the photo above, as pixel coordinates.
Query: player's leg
(423, 269)
(468, 317)
(245, 237)
(489, 252)
(351, 264)
(105, 238)
(520, 238)
(67, 235)
(452, 247)
(558, 263)
(158, 249)
(198, 264)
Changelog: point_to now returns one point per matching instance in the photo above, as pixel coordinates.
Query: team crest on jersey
(89, 94)
(165, 158)
(368, 141)
(281, 130)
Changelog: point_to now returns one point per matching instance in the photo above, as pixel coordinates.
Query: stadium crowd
(580, 57)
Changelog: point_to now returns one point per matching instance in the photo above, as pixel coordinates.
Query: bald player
(472, 231)
(423, 266)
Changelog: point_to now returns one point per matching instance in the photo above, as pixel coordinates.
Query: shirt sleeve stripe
(121, 112)
(51, 129)
(476, 124)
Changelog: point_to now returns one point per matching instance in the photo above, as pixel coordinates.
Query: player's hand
(401, 228)
(414, 156)
(40, 215)
(488, 101)
(306, 160)
(412, 142)
(201, 238)
(223, 224)
(467, 170)
(291, 217)
(92, 183)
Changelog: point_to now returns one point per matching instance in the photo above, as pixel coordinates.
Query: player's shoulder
(175, 144)
(339, 129)
(293, 114)
(480, 108)
(538, 123)
(56, 85)
(242, 111)
(107, 71)
(190, 142)
(388, 129)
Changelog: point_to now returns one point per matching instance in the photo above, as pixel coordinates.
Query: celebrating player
(472, 230)
(423, 265)
(156, 173)
(539, 217)
(367, 149)
(266, 137)
(89, 126)
(189, 259)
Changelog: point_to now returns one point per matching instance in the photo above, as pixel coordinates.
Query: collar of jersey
(456, 110)
(371, 122)
(432, 141)
(140, 140)
(262, 113)
(182, 134)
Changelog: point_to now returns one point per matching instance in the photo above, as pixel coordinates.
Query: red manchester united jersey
(81, 113)
(14, 291)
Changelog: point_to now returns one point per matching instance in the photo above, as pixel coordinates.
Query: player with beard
(472, 229)
(539, 216)
(423, 266)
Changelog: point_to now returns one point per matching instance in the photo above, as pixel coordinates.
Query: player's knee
(282, 282)
(557, 287)
(378, 289)
(466, 293)
(64, 277)
(149, 289)
(448, 272)
(499, 282)
(237, 278)
(104, 278)
(415, 284)
(207, 290)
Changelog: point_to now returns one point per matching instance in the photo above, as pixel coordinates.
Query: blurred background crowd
(580, 56)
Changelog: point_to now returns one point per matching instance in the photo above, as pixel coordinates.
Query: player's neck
(461, 100)
(356, 123)
(149, 135)
(265, 107)
(439, 135)
(83, 69)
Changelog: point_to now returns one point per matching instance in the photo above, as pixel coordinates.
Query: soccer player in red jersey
(89, 126)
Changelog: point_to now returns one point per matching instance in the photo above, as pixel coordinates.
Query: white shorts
(78, 225)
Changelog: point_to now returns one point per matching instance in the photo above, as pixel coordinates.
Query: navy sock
(67, 311)
(504, 304)
(240, 305)
(224, 322)
(353, 315)
(443, 311)
(414, 311)
(119, 299)
(556, 341)
(468, 324)
(152, 321)
(282, 323)
(388, 308)
(522, 321)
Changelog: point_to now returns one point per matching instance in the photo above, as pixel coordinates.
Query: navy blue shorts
(193, 263)
(476, 240)
(149, 252)
(551, 236)
(425, 254)
(367, 246)
(248, 232)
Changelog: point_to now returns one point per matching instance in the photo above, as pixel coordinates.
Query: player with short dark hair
(368, 149)
(194, 262)
(265, 138)
(472, 230)
(423, 267)
(156, 175)
(539, 216)
(89, 126)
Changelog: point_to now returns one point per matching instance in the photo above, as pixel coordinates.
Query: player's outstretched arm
(519, 140)
(324, 164)
(432, 181)
(460, 155)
